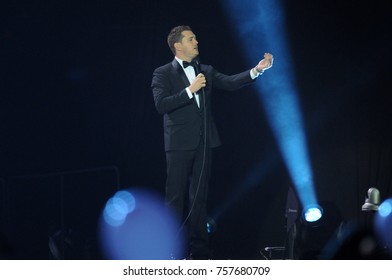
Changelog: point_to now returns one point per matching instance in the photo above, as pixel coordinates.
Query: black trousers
(188, 174)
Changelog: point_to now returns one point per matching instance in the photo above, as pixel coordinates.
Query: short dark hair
(176, 36)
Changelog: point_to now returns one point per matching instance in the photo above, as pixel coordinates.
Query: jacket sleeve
(231, 82)
(165, 97)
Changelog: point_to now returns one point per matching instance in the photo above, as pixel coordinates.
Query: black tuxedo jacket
(183, 121)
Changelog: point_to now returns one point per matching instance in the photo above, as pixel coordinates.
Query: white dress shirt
(191, 75)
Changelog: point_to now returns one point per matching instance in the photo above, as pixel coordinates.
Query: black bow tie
(185, 64)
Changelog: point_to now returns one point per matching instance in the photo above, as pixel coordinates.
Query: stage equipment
(372, 202)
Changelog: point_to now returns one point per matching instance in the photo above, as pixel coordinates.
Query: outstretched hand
(265, 63)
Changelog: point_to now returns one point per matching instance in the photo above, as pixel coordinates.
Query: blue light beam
(261, 27)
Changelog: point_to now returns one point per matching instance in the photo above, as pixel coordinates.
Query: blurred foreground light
(383, 224)
(135, 225)
(118, 207)
(385, 209)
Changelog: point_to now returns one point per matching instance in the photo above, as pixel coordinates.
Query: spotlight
(317, 226)
(312, 213)
(372, 202)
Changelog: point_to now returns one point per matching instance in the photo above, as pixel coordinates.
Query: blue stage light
(312, 214)
(385, 208)
(261, 27)
(383, 225)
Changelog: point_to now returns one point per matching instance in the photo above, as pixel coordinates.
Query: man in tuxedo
(182, 92)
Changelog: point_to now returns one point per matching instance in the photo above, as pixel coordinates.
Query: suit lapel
(180, 72)
(184, 78)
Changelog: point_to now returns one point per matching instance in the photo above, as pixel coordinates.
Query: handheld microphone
(196, 63)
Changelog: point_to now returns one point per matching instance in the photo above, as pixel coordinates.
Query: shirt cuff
(253, 76)
(189, 93)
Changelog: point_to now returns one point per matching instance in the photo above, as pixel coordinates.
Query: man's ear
(178, 46)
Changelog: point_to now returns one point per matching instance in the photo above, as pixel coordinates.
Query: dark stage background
(78, 120)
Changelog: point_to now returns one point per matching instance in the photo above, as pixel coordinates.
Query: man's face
(187, 48)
